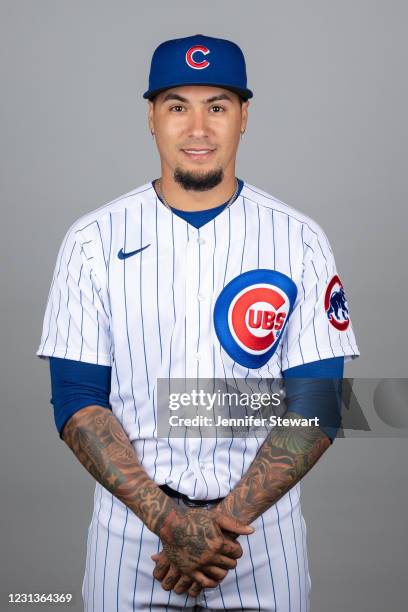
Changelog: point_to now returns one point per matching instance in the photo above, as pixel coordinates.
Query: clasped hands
(199, 548)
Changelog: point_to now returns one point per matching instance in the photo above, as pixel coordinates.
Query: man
(195, 275)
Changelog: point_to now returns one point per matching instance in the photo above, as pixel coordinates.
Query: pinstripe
(327, 280)
(69, 314)
(137, 565)
(296, 550)
(127, 326)
(198, 349)
(96, 548)
(108, 279)
(141, 301)
(88, 555)
(314, 312)
(120, 561)
(213, 355)
(171, 338)
(55, 277)
(59, 303)
(153, 581)
(253, 573)
(102, 247)
(273, 237)
(259, 232)
(269, 561)
(225, 375)
(56, 324)
(199, 305)
(106, 556)
(82, 311)
(238, 589)
(97, 322)
(157, 288)
(127, 511)
(229, 245)
(304, 549)
(284, 553)
(290, 263)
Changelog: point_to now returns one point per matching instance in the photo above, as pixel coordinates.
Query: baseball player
(195, 275)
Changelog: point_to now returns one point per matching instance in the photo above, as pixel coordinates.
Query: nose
(198, 127)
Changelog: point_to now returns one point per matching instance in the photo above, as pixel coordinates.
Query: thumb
(228, 523)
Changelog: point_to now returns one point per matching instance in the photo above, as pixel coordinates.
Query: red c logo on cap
(190, 57)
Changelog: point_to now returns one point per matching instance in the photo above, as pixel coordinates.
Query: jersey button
(198, 356)
(201, 297)
(200, 240)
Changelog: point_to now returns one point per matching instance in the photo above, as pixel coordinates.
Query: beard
(195, 181)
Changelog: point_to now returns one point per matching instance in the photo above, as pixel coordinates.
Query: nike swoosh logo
(123, 255)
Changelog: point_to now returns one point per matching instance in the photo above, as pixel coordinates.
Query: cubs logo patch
(335, 304)
(251, 313)
(194, 57)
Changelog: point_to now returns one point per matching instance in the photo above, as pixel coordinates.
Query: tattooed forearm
(286, 455)
(193, 538)
(99, 442)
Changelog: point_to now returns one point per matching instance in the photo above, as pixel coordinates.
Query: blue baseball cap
(198, 60)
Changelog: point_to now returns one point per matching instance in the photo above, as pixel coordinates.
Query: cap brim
(242, 93)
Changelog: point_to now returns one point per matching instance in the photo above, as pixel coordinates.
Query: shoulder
(93, 230)
(128, 200)
(310, 229)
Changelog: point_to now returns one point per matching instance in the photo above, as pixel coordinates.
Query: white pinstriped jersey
(151, 315)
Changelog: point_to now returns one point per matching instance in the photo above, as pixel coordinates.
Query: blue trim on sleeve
(325, 368)
(314, 389)
(75, 385)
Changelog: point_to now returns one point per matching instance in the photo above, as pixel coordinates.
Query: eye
(216, 108)
(177, 108)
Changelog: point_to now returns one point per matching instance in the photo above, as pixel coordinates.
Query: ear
(244, 115)
(150, 116)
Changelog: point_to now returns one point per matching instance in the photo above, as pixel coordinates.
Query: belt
(200, 503)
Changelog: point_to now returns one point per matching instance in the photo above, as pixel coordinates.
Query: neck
(192, 200)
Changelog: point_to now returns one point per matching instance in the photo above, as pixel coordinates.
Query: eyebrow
(175, 96)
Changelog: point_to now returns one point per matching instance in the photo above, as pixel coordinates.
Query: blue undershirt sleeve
(75, 385)
(314, 390)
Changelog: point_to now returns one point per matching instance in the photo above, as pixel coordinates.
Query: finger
(215, 572)
(183, 584)
(231, 549)
(170, 579)
(195, 589)
(161, 569)
(231, 524)
(223, 562)
(205, 581)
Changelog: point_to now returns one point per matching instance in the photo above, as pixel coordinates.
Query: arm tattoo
(285, 456)
(98, 440)
(100, 443)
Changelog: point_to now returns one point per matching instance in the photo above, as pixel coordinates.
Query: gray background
(327, 134)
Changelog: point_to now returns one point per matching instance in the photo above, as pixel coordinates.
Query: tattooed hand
(197, 549)
(170, 577)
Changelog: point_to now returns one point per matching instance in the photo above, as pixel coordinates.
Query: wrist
(228, 507)
(167, 524)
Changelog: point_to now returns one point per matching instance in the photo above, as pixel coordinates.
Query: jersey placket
(198, 339)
